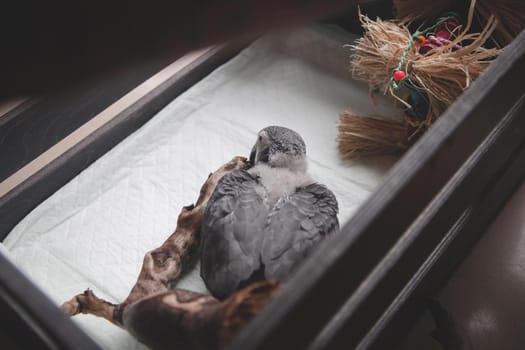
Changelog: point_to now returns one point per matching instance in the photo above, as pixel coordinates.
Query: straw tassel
(368, 136)
(390, 56)
(443, 74)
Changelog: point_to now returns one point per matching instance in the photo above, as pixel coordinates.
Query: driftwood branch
(162, 317)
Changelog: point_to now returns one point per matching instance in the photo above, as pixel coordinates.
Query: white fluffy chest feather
(279, 182)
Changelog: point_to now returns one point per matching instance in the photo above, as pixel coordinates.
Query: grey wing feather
(232, 229)
(295, 227)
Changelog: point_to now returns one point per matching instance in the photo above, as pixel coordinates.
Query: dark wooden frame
(364, 287)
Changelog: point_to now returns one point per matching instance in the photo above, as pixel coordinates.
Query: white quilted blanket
(94, 231)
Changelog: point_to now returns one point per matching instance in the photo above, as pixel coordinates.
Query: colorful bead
(420, 40)
(399, 75)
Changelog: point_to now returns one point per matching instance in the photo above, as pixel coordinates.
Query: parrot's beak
(252, 156)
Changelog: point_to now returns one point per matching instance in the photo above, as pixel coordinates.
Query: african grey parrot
(261, 223)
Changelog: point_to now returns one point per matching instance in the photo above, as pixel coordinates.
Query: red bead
(399, 75)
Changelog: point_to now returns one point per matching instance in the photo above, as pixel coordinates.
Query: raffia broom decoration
(424, 71)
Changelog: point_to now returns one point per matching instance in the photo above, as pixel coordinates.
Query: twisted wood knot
(161, 256)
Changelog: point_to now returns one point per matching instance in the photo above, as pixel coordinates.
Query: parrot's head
(279, 147)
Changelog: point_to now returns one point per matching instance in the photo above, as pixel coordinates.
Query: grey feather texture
(295, 226)
(232, 232)
(262, 223)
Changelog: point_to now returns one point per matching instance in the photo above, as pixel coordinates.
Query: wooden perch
(162, 317)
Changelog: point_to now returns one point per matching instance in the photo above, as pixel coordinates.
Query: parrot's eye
(260, 138)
